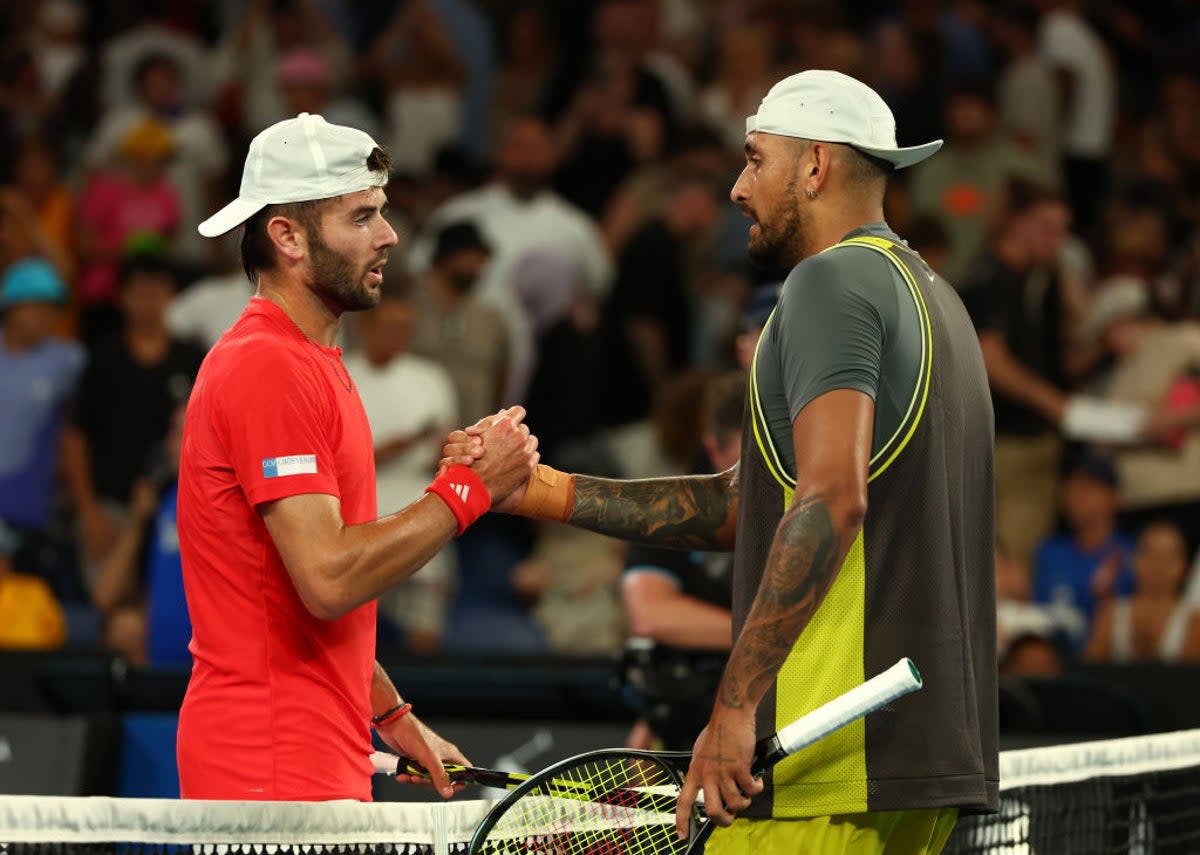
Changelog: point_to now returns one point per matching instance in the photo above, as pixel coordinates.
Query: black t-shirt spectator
(650, 286)
(595, 169)
(676, 692)
(1026, 310)
(707, 576)
(599, 163)
(562, 392)
(125, 409)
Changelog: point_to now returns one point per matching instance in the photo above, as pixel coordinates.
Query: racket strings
(612, 806)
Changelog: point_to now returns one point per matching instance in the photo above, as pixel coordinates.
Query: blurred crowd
(567, 243)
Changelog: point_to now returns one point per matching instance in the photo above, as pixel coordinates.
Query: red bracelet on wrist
(463, 492)
(394, 714)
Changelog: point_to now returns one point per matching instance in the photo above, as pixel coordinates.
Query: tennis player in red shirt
(282, 555)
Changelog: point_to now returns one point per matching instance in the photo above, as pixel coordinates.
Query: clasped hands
(502, 452)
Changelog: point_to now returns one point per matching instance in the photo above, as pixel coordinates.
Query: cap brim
(898, 157)
(902, 157)
(229, 217)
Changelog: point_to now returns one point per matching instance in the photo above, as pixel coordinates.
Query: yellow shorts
(905, 832)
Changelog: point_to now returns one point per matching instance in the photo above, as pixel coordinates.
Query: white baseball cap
(828, 106)
(298, 160)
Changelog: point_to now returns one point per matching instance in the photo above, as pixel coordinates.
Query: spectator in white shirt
(1027, 90)
(517, 213)
(410, 405)
(1089, 98)
(203, 311)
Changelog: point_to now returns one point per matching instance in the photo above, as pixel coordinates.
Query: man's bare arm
(659, 610)
(1008, 376)
(336, 567)
(384, 695)
(694, 512)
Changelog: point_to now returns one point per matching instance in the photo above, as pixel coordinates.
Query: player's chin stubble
(339, 279)
(784, 245)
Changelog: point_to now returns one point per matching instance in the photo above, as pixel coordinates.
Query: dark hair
(927, 232)
(1022, 196)
(678, 415)
(453, 162)
(148, 61)
(258, 252)
(978, 88)
(725, 404)
(1094, 466)
(867, 168)
(1020, 15)
(144, 264)
(457, 237)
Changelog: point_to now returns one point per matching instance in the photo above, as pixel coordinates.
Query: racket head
(609, 802)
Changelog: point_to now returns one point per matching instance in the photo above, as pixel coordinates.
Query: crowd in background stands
(567, 243)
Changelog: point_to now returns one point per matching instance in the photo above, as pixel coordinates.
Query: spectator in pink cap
(306, 86)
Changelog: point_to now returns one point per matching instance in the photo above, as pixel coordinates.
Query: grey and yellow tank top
(919, 580)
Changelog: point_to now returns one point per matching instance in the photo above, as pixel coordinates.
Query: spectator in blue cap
(39, 376)
(32, 281)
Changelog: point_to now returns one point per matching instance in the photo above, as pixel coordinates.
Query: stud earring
(812, 194)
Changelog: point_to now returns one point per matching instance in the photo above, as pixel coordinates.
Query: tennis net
(1134, 796)
(49, 825)
(1137, 796)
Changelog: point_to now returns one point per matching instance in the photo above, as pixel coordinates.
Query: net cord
(98, 819)
(1064, 764)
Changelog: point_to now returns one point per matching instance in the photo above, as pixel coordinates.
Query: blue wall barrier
(147, 765)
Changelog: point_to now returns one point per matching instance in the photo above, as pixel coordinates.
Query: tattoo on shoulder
(697, 512)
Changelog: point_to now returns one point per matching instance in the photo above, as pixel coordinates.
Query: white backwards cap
(298, 160)
(828, 106)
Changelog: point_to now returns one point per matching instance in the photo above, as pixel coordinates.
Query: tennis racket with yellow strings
(622, 802)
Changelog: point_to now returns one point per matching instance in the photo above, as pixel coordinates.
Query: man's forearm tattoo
(800, 570)
(683, 513)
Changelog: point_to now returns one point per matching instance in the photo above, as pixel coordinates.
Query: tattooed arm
(832, 440)
(696, 512)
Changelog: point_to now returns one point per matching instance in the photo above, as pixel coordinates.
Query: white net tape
(354, 828)
(1064, 764)
(258, 827)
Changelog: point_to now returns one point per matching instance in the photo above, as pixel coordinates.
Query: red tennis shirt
(278, 704)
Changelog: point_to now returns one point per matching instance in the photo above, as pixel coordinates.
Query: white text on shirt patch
(295, 464)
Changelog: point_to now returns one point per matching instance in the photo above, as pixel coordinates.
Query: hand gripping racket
(622, 802)
(394, 764)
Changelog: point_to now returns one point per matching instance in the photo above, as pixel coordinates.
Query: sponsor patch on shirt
(295, 464)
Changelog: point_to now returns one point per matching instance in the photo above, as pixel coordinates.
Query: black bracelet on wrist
(398, 711)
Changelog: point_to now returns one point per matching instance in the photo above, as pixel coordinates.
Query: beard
(782, 246)
(337, 279)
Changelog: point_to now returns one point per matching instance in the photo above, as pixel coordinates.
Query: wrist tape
(549, 495)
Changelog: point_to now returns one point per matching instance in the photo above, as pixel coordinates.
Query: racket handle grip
(895, 682)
